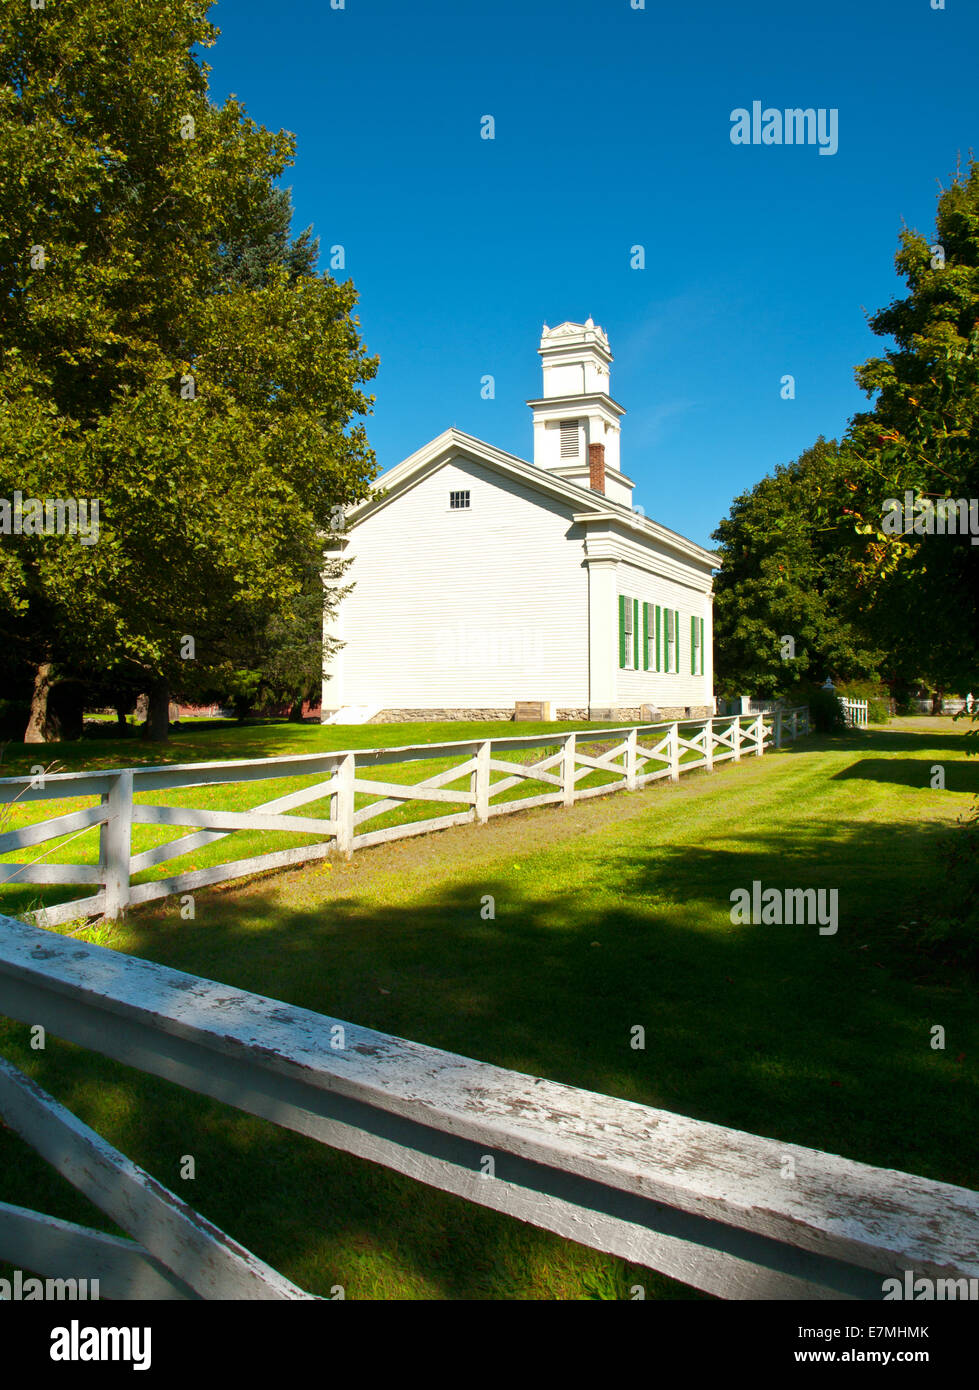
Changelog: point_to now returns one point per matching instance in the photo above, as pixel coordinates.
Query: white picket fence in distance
(749, 705)
(639, 755)
(854, 712)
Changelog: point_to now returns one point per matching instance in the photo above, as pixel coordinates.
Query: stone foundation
(419, 716)
(627, 715)
(634, 714)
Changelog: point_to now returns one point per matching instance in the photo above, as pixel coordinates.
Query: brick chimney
(596, 468)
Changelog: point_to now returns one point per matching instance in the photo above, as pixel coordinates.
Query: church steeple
(576, 421)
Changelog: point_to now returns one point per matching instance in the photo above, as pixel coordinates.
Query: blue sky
(613, 129)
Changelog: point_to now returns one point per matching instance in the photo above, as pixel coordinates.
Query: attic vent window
(569, 439)
(458, 501)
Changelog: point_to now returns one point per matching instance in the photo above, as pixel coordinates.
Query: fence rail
(854, 712)
(638, 756)
(702, 1203)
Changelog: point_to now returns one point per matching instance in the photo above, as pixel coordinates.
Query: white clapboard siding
(683, 590)
(475, 608)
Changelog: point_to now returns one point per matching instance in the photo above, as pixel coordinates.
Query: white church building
(481, 582)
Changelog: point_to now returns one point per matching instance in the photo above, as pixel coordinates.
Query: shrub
(877, 697)
(825, 711)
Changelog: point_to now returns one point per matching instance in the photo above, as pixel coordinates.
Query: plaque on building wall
(539, 710)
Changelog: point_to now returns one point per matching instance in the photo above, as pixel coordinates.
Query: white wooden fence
(854, 712)
(638, 756)
(948, 705)
(704, 1204)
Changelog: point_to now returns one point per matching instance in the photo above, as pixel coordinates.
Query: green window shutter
(621, 631)
(701, 623)
(659, 616)
(645, 637)
(693, 645)
(677, 631)
(635, 634)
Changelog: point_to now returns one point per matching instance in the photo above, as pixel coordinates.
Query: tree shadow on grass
(882, 740)
(960, 776)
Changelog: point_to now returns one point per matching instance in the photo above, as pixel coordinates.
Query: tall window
(628, 633)
(670, 639)
(696, 646)
(630, 636)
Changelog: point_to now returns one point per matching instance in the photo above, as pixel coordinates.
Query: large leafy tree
(809, 553)
(783, 612)
(922, 436)
(166, 349)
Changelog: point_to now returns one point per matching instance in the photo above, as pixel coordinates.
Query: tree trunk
(122, 727)
(296, 713)
(38, 725)
(157, 725)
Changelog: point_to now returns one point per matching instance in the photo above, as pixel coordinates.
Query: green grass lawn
(613, 913)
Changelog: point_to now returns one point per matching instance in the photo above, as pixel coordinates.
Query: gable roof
(587, 506)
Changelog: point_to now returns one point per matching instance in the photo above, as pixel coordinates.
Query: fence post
(709, 744)
(760, 735)
(674, 752)
(479, 781)
(342, 805)
(778, 728)
(567, 769)
(736, 740)
(795, 725)
(630, 760)
(115, 843)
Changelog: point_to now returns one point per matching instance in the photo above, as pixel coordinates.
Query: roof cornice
(629, 521)
(581, 398)
(581, 467)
